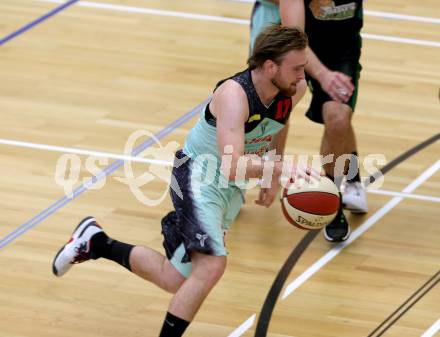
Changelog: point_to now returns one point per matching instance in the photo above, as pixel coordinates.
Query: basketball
(310, 205)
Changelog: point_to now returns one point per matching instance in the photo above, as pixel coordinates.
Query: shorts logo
(327, 10)
(201, 238)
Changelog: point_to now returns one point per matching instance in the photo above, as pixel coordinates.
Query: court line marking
(295, 284)
(360, 230)
(404, 17)
(106, 172)
(144, 10)
(406, 306)
(72, 150)
(400, 40)
(246, 325)
(37, 21)
(272, 296)
(385, 15)
(278, 284)
(404, 195)
(433, 329)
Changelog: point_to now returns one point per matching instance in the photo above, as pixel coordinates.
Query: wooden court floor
(91, 75)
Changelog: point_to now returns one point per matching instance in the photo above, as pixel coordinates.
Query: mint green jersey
(260, 128)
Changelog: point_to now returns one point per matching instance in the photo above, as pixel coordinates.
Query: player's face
(290, 72)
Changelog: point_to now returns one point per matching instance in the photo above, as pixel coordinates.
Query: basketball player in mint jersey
(248, 113)
(333, 28)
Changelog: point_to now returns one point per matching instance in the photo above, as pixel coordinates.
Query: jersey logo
(283, 108)
(264, 139)
(327, 10)
(255, 117)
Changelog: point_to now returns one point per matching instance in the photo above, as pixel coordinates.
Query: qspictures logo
(148, 169)
(140, 170)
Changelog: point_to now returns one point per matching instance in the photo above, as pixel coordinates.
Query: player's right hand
(337, 85)
(294, 171)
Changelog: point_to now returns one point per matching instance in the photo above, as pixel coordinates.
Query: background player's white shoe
(354, 197)
(77, 250)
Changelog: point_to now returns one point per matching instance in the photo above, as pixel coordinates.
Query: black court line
(404, 156)
(275, 290)
(272, 296)
(408, 304)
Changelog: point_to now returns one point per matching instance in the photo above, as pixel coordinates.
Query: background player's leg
(338, 138)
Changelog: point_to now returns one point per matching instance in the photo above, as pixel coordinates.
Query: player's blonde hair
(274, 42)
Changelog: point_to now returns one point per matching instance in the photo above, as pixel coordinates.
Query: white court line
(432, 330)
(395, 16)
(400, 40)
(246, 325)
(354, 235)
(194, 16)
(249, 322)
(159, 12)
(72, 150)
(404, 195)
(360, 230)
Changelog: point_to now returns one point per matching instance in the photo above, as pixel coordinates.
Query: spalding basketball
(310, 205)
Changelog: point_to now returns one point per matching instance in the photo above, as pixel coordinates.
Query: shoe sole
(329, 239)
(86, 222)
(354, 210)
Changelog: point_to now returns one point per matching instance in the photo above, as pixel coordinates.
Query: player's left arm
(268, 195)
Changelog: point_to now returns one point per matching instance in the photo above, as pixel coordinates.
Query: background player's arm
(336, 84)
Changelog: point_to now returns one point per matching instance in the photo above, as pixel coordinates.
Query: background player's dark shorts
(347, 63)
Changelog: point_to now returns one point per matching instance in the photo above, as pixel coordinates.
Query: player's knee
(216, 269)
(211, 269)
(173, 286)
(337, 118)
